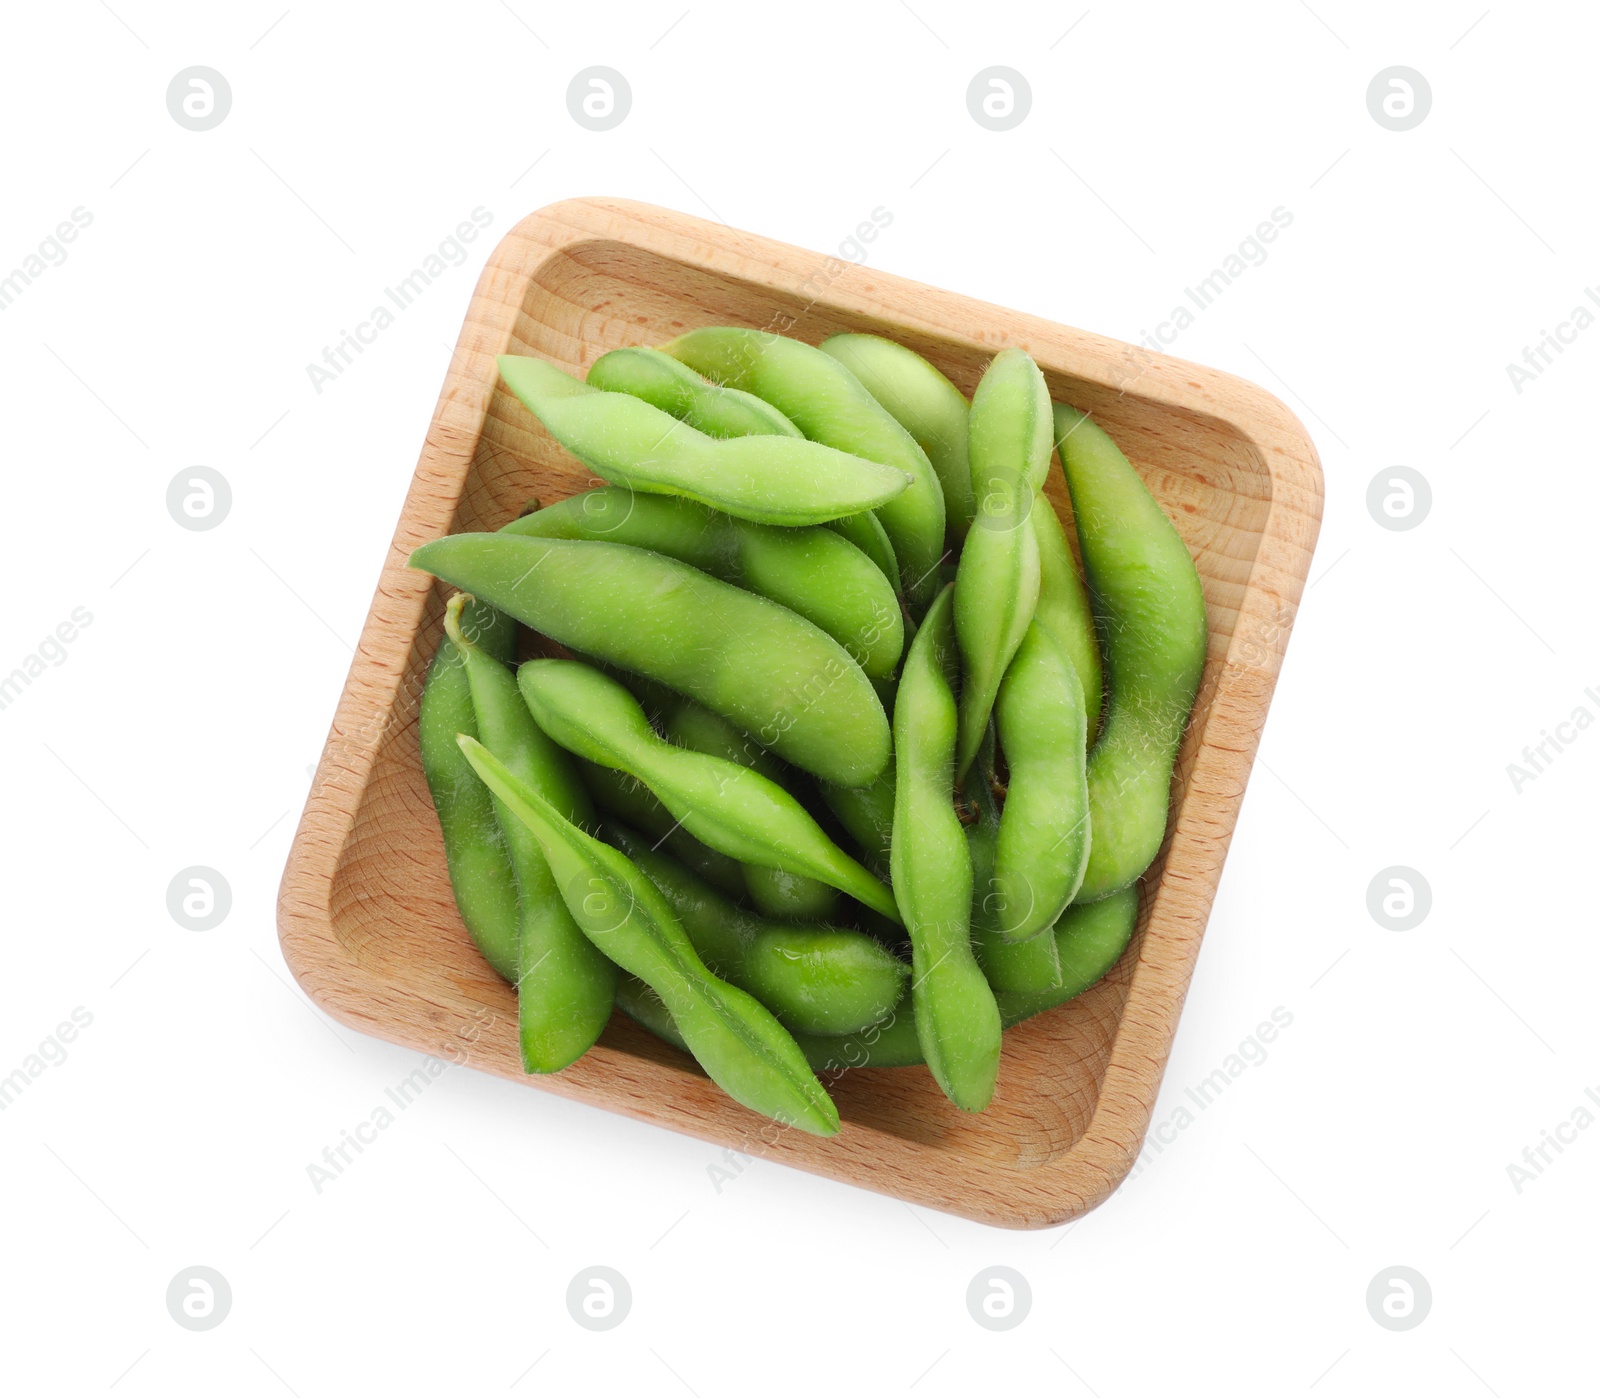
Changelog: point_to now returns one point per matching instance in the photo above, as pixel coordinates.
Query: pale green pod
(729, 807)
(1033, 965)
(675, 388)
(624, 440)
(1152, 619)
(813, 571)
(1089, 940)
(475, 850)
(734, 1037)
(890, 1043)
(867, 533)
(815, 978)
(627, 799)
(958, 1023)
(565, 987)
(761, 666)
(931, 408)
(830, 405)
(1064, 608)
(997, 579)
(1042, 845)
(866, 812)
(775, 892)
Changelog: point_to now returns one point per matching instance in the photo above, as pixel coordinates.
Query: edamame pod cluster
(878, 763)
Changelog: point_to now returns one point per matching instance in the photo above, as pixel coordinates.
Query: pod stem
(452, 620)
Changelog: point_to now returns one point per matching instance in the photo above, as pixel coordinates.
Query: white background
(179, 728)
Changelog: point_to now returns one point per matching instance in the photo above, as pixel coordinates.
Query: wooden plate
(365, 913)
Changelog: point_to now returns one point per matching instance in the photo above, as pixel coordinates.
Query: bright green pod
(1021, 968)
(775, 892)
(866, 812)
(1042, 846)
(1090, 939)
(565, 987)
(654, 698)
(815, 979)
(891, 1043)
(675, 388)
(997, 579)
(1032, 965)
(732, 1035)
(832, 407)
(867, 533)
(729, 807)
(762, 667)
(728, 412)
(692, 725)
(813, 571)
(931, 408)
(522, 746)
(474, 846)
(1151, 615)
(957, 1022)
(624, 440)
(1064, 609)
(630, 801)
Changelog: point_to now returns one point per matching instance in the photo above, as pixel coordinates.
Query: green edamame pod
(867, 533)
(629, 800)
(644, 1007)
(772, 673)
(1042, 846)
(931, 408)
(866, 812)
(1021, 968)
(957, 1022)
(891, 1044)
(693, 726)
(820, 980)
(1064, 609)
(736, 1040)
(675, 388)
(1152, 619)
(997, 579)
(565, 987)
(523, 747)
(775, 892)
(654, 698)
(829, 404)
(729, 807)
(1090, 938)
(474, 845)
(1032, 965)
(624, 440)
(812, 571)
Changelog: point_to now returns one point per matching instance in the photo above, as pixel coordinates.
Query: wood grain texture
(365, 915)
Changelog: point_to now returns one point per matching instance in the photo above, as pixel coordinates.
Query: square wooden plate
(365, 913)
